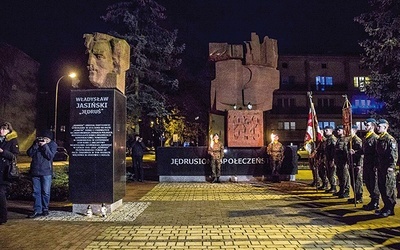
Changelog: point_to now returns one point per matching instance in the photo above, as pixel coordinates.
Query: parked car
(61, 155)
(302, 153)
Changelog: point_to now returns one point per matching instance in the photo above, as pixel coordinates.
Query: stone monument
(98, 127)
(245, 79)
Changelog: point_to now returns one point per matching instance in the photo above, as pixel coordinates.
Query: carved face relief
(100, 63)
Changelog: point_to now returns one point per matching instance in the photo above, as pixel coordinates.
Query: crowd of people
(341, 162)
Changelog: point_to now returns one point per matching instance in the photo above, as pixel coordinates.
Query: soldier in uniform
(355, 160)
(341, 164)
(216, 151)
(329, 152)
(386, 149)
(370, 173)
(318, 166)
(275, 151)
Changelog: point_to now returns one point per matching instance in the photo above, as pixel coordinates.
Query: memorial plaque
(245, 128)
(98, 144)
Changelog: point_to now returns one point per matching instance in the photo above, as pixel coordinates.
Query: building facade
(329, 79)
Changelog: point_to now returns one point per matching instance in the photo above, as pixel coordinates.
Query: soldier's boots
(385, 212)
(216, 180)
(357, 201)
(324, 186)
(344, 195)
(332, 189)
(373, 205)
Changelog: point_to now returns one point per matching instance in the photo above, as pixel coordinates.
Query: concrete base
(237, 178)
(82, 208)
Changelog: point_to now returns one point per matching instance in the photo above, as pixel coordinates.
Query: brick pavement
(251, 215)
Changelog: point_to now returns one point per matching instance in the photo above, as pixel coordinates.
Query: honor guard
(370, 174)
(342, 164)
(329, 153)
(386, 149)
(275, 150)
(355, 165)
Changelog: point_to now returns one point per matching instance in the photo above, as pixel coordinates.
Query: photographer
(42, 153)
(137, 149)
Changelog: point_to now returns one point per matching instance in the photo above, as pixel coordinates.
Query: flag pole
(313, 146)
(348, 119)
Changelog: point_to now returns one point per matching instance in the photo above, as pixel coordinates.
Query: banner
(347, 117)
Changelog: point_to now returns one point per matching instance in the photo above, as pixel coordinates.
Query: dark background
(51, 31)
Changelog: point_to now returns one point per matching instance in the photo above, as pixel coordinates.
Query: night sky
(51, 31)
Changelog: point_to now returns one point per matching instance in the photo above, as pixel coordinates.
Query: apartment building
(329, 79)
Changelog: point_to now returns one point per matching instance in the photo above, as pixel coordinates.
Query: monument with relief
(98, 127)
(245, 79)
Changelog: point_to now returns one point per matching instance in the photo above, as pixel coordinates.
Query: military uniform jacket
(216, 150)
(329, 147)
(356, 145)
(369, 149)
(341, 150)
(275, 150)
(386, 148)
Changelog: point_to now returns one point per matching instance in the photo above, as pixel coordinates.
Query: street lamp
(72, 76)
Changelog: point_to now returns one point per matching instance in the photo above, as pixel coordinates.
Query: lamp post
(71, 75)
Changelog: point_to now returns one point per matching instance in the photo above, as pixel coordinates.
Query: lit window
(287, 125)
(360, 82)
(324, 124)
(360, 125)
(322, 81)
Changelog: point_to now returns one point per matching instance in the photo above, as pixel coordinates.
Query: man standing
(341, 164)
(42, 153)
(275, 151)
(8, 150)
(329, 153)
(216, 151)
(355, 163)
(370, 173)
(386, 148)
(138, 148)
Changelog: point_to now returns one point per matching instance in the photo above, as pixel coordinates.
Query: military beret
(339, 127)
(371, 120)
(354, 127)
(328, 127)
(382, 121)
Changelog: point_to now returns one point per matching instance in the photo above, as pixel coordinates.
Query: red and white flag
(313, 129)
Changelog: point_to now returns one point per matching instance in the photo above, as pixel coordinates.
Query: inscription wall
(245, 128)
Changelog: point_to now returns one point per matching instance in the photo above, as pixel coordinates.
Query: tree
(382, 56)
(154, 54)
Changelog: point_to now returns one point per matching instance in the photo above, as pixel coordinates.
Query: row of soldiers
(343, 161)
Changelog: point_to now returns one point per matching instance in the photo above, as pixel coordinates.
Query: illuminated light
(235, 107)
(249, 106)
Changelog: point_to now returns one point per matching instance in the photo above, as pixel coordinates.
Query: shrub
(21, 189)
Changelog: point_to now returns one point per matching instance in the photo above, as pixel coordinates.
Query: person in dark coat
(137, 148)
(42, 153)
(8, 150)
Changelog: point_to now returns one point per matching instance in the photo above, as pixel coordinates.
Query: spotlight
(234, 106)
(249, 106)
